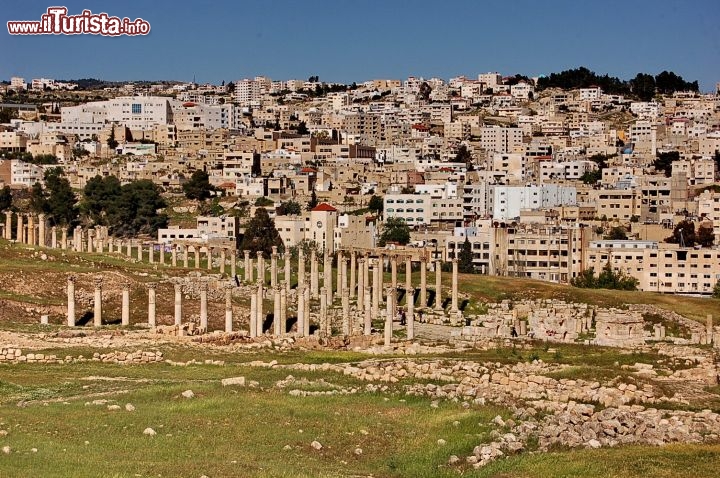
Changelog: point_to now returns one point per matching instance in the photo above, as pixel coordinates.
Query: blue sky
(358, 40)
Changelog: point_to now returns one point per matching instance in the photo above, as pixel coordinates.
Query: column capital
(98, 281)
(259, 253)
(72, 278)
(203, 285)
(151, 285)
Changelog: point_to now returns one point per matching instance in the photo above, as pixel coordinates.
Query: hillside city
(554, 178)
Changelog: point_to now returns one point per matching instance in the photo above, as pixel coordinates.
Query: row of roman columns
(30, 228)
(151, 314)
(359, 279)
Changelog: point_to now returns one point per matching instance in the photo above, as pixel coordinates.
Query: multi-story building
(500, 140)
(658, 267)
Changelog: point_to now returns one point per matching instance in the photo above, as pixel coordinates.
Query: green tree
(99, 199)
(394, 230)
(289, 208)
(376, 204)
(607, 279)
(683, 234)
(716, 290)
(302, 129)
(198, 186)
(5, 198)
(618, 233)
(643, 86)
(38, 202)
(136, 210)
(663, 162)
(705, 236)
(111, 141)
(62, 209)
(591, 177)
(463, 155)
(465, 258)
(312, 204)
(261, 234)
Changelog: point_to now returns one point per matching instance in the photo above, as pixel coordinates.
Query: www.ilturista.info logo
(57, 22)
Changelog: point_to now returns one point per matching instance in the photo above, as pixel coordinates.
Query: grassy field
(263, 431)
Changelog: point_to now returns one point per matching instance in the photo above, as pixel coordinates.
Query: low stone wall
(15, 355)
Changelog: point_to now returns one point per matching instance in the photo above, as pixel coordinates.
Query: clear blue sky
(357, 40)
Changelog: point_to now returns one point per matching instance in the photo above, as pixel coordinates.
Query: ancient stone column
(454, 306)
(223, 258)
(186, 256)
(314, 273)
(345, 297)
(151, 253)
(101, 244)
(306, 303)
(423, 282)
(408, 280)
(161, 253)
(97, 302)
(324, 320)
(173, 255)
(151, 304)
(353, 272)
(8, 225)
(228, 308)
(709, 329)
(343, 282)
(53, 237)
(367, 323)
(253, 314)
(178, 304)
(260, 267)
(209, 251)
(393, 271)
(438, 286)
(20, 229)
(287, 272)
(301, 267)
(389, 314)
(376, 291)
(140, 251)
(42, 224)
(260, 314)
(129, 248)
(30, 238)
(366, 274)
(196, 254)
(301, 310)
(125, 314)
(248, 266)
(327, 277)
(71, 301)
(273, 267)
(361, 286)
(204, 306)
(90, 241)
(64, 241)
(276, 311)
(410, 327)
(283, 308)
(339, 276)
(233, 263)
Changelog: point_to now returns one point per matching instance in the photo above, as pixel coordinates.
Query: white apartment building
(505, 202)
(590, 94)
(645, 109)
(17, 83)
(25, 174)
(134, 112)
(658, 267)
(497, 139)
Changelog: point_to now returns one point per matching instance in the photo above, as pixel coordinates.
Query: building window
(136, 108)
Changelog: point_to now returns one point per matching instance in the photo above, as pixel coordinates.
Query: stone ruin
(558, 321)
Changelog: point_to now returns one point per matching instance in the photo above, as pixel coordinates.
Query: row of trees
(127, 210)
(644, 86)
(607, 279)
